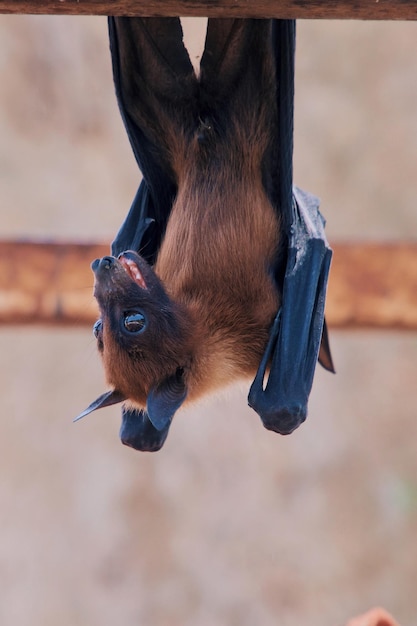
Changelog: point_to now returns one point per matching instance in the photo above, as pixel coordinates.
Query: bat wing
(138, 432)
(298, 337)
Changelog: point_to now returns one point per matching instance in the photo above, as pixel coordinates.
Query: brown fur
(216, 258)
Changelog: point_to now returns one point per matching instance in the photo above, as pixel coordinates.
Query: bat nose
(106, 263)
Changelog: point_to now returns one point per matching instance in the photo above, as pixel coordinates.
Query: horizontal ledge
(45, 282)
(372, 285)
(285, 9)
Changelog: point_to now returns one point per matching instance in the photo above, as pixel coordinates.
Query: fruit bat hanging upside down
(219, 270)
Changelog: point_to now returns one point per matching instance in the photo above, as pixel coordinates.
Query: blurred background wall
(229, 525)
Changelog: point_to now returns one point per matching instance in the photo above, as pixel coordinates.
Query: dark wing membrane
(138, 432)
(142, 230)
(229, 59)
(280, 171)
(298, 337)
(280, 397)
(153, 75)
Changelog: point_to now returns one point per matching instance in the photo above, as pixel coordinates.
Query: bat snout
(109, 278)
(104, 264)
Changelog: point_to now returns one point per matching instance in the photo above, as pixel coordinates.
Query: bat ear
(325, 356)
(166, 398)
(107, 399)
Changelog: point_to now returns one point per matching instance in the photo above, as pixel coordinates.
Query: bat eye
(134, 321)
(97, 328)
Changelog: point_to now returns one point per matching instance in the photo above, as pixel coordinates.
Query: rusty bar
(286, 9)
(47, 282)
(372, 285)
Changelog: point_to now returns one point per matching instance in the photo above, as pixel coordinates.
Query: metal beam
(371, 285)
(286, 9)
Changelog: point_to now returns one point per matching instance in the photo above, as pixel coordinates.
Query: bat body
(194, 310)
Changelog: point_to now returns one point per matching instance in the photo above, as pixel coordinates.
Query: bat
(219, 271)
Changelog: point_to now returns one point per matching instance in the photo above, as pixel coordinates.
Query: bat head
(144, 338)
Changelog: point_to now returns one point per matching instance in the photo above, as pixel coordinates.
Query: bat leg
(138, 432)
(236, 60)
(155, 84)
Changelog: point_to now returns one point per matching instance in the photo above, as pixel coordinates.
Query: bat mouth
(132, 269)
